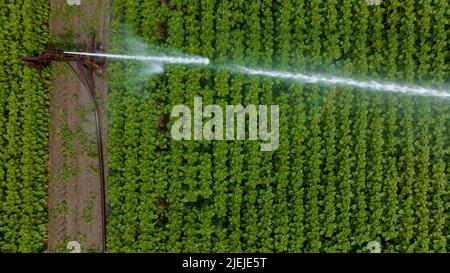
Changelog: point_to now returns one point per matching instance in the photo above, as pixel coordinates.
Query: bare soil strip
(74, 186)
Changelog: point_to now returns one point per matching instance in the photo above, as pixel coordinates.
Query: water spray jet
(163, 59)
(333, 80)
(158, 62)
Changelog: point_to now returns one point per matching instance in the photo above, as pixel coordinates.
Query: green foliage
(86, 214)
(61, 209)
(23, 127)
(68, 172)
(352, 166)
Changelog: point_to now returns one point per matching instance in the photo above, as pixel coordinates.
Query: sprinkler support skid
(86, 65)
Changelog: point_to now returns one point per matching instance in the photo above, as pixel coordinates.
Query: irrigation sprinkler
(84, 67)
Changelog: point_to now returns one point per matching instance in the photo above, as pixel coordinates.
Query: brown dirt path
(74, 186)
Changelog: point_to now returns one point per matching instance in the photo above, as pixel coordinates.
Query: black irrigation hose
(90, 86)
(102, 176)
(101, 160)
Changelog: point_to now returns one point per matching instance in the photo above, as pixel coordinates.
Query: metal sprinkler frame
(84, 69)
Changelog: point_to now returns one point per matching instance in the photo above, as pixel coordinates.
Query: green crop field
(23, 127)
(353, 166)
